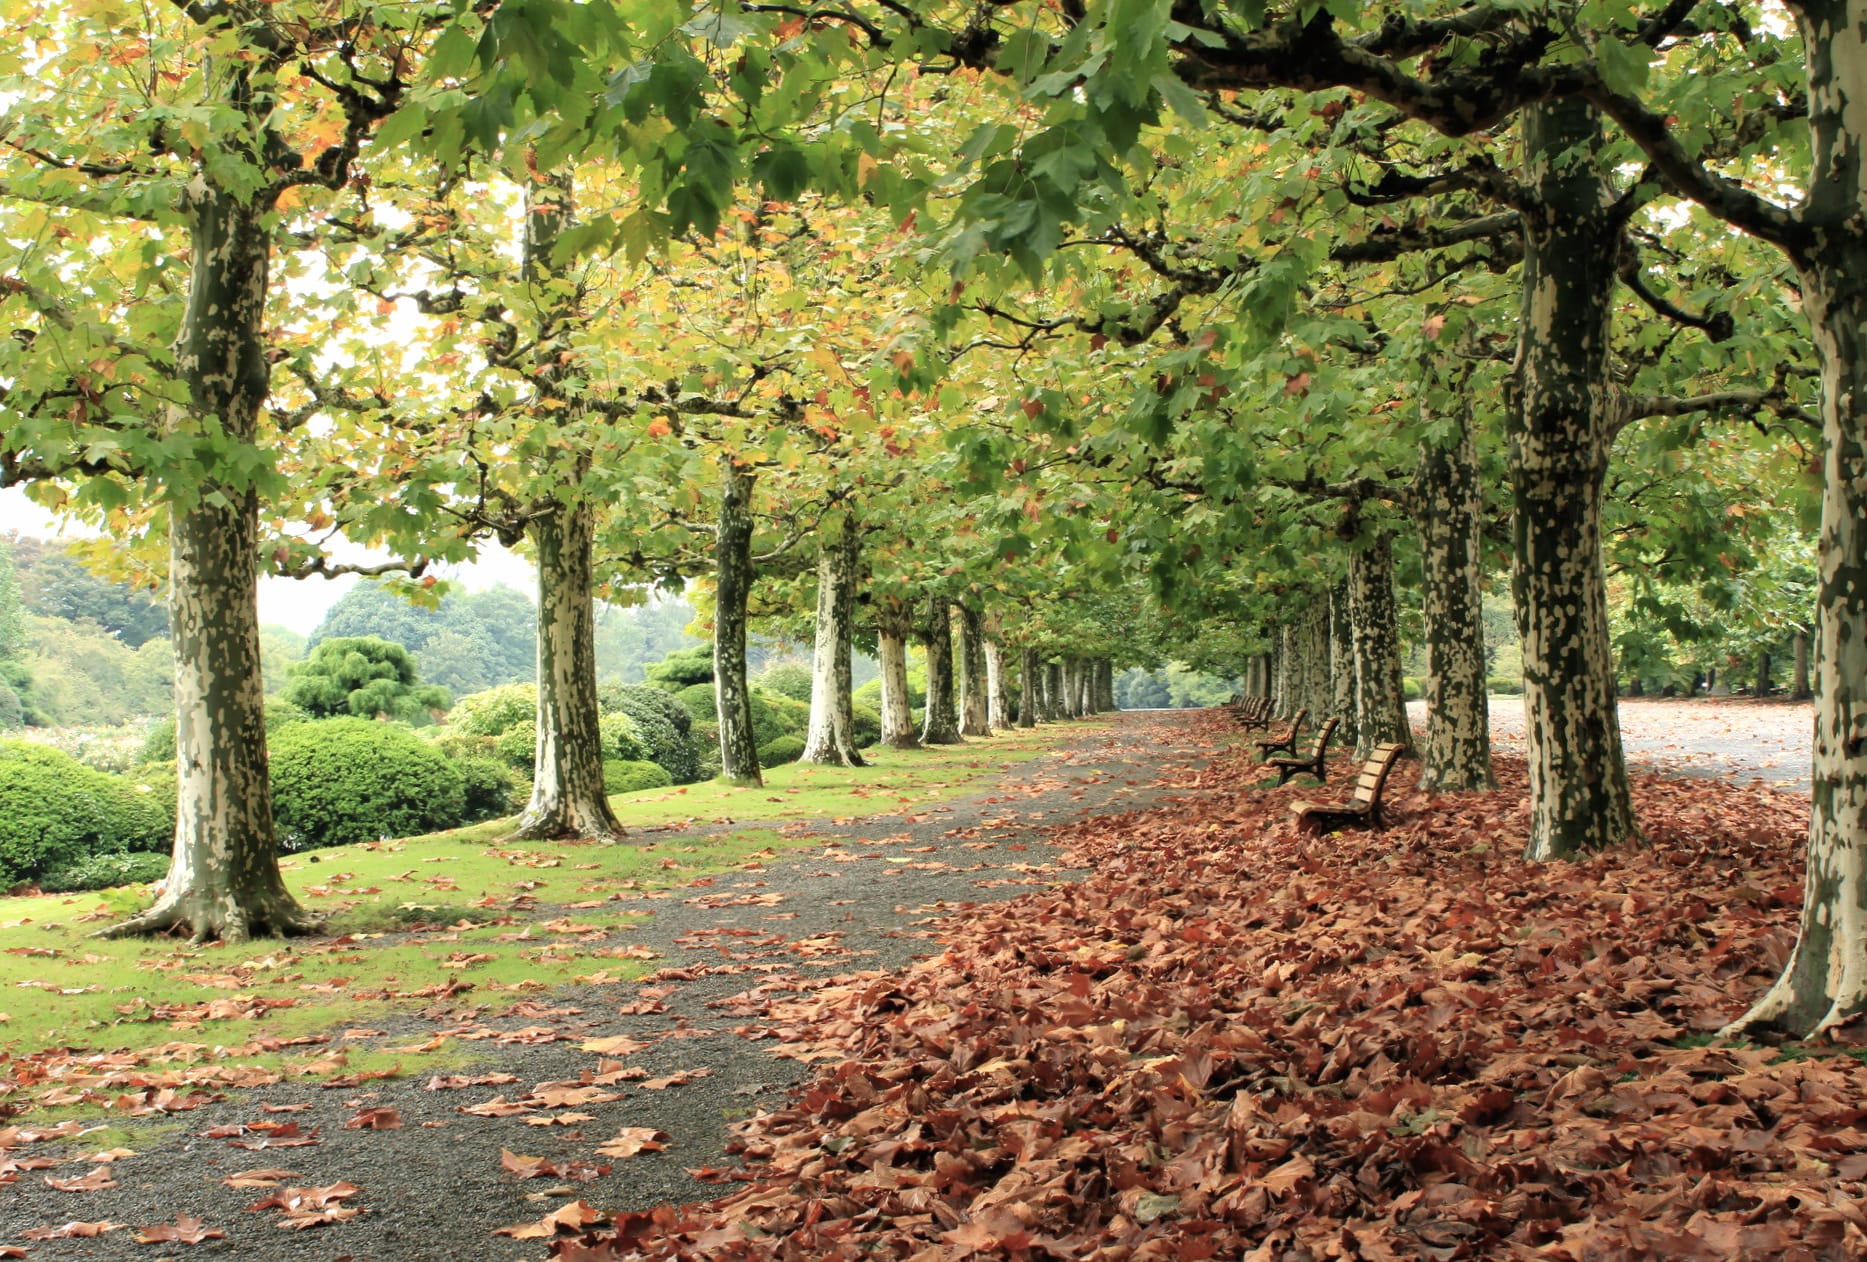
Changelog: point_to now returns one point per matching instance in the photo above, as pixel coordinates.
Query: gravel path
(1762, 741)
(433, 1186)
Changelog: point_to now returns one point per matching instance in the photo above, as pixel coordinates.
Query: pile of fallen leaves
(1232, 1041)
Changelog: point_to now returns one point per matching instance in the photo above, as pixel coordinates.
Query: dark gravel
(435, 1189)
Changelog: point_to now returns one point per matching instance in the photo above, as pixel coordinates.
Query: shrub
(697, 700)
(662, 725)
(491, 790)
(1504, 686)
(624, 775)
(1410, 688)
(870, 694)
(774, 716)
(518, 748)
(54, 811)
(12, 713)
(786, 679)
(495, 711)
(340, 781)
(105, 871)
(461, 746)
(143, 814)
(619, 739)
(707, 746)
(780, 750)
(868, 725)
(363, 676)
(682, 668)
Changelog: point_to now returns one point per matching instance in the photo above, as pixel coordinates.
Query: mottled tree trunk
(1825, 981)
(1799, 689)
(1030, 676)
(567, 763)
(998, 704)
(1449, 505)
(223, 879)
(1315, 691)
(975, 705)
(732, 695)
(1381, 702)
(1342, 665)
(893, 626)
(831, 737)
(1105, 685)
(1054, 706)
(1560, 426)
(941, 723)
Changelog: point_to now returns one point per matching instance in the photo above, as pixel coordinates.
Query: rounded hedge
(868, 724)
(495, 711)
(339, 781)
(774, 716)
(490, 788)
(786, 679)
(55, 811)
(619, 739)
(622, 775)
(662, 725)
(780, 750)
(697, 700)
(518, 748)
(105, 871)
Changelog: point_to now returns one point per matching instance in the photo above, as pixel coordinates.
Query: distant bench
(1364, 808)
(1312, 762)
(1251, 712)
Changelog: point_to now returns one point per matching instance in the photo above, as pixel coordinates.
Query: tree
(224, 121)
(365, 677)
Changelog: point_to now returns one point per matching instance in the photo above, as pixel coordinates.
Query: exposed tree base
(833, 757)
(591, 823)
(230, 923)
(909, 741)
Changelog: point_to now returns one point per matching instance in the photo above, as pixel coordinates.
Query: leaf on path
(71, 1231)
(378, 1118)
(184, 1230)
(632, 1141)
(544, 1168)
(498, 1106)
(573, 1217)
(615, 1045)
(303, 1207)
(95, 1181)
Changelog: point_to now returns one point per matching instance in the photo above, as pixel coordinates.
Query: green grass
(413, 916)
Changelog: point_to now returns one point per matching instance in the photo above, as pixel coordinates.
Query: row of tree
(1319, 292)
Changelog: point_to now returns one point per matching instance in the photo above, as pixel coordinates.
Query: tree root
(281, 918)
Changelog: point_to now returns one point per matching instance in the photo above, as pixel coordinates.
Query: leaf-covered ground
(1230, 1041)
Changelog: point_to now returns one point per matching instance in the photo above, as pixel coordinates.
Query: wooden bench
(1287, 742)
(1364, 808)
(1311, 762)
(1252, 712)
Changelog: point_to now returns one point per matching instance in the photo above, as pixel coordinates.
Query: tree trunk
(1029, 688)
(998, 706)
(223, 879)
(1762, 687)
(1560, 429)
(1799, 690)
(941, 723)
(1105, 685)
(831, 737)
(1316, 691)
(1342, 664)
(732, 695)
(893, 626)
(975, 705)
(1825, 982)
(1458, 723)
(1053, 692)
(1381, 702)
(567, 766)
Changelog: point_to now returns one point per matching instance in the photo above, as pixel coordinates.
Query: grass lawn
(412, 921)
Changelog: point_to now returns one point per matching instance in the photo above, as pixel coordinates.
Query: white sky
(299, 604)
